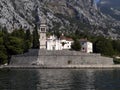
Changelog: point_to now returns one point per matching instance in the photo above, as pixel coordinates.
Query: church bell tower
(42, 34)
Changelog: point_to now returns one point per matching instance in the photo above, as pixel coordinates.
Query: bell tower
(42, 34)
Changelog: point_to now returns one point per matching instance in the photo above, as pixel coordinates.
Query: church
(63, 43)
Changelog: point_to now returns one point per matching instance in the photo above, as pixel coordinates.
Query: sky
(115, 3)
(97, 1)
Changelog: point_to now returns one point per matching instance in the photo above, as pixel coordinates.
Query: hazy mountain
(62, 15)
(110, 7)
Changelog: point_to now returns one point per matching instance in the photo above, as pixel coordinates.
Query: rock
(63, 14)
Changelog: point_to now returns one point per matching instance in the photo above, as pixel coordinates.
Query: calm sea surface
(60, 79)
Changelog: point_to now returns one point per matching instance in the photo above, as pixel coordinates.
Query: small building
(62, 43)
(53, 43)
(66, 42)
(86, 46)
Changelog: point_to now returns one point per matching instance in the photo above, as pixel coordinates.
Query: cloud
(105, 2)
(110, 2)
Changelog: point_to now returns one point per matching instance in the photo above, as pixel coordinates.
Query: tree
(18, 33)
(76, 45)
(35, 38)
(3, 55)
(57, 33)
(3, 52)
(27, 41)
(15, 45)
(26, 45)
(28, 35)
(104, 46)
(116, 46)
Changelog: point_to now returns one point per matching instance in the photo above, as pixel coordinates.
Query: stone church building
(62, 43)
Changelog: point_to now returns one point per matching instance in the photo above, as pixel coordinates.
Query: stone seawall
(25, 59)
(59, 58)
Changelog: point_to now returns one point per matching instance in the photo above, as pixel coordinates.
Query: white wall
(89, 47)
(55, 44)
(86, 47)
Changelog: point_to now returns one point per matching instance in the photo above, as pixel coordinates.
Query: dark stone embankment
(26, 58)
(59, 59)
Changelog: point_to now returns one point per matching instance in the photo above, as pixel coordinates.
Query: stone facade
(42, 33)
(64, 57)
(59, 58)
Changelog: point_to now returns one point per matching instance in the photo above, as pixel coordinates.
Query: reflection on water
(63, 79)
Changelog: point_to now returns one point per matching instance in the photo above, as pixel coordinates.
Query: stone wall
(25, 59)
(59, 58)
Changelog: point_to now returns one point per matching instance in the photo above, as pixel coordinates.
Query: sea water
(60, 79)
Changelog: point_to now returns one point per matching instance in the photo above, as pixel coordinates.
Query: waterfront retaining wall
(26, 58)
(59, 58)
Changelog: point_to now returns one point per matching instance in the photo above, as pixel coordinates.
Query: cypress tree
(27, 41)
(35, 38)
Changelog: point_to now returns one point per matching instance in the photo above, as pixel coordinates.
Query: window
(42, 29)
(82, 43)
(83, 48)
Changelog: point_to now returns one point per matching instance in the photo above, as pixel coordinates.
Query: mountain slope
(110, 7)
(62, 15)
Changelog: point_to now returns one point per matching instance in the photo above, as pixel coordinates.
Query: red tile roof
(83, 40)
(65, 38)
